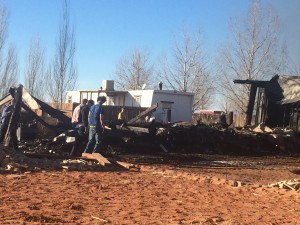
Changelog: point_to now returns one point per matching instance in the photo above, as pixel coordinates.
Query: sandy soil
(191, 193)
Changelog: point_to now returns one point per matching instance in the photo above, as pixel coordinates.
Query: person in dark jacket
(96, 126)
(85, 114)
(222, 120)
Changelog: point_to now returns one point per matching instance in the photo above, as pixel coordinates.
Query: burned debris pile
(47, 139)
(15, 162)
(247, 141)
(45, 147)
(287, 184)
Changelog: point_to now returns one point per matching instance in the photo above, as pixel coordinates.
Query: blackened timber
(258, 108)
(253, 89)
(39, 119)
(55, 113)
(251, 102)
(257, 83)
(14, 119)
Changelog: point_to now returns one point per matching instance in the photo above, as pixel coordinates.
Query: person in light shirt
(76, 116)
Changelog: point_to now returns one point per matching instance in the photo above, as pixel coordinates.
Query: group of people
(88, 119)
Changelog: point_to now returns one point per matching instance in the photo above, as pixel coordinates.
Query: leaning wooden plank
(29, 100)
(100, 158)
(147, 111)
(5, 100)
(13, 122)
(35, 116)
(55, 113)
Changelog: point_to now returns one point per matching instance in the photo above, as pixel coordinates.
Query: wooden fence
(111, 112)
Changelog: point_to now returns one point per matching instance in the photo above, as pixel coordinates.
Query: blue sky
(108, 29)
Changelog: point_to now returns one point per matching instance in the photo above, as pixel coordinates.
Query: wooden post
(14, 119)
(168, 115)
(230, 118)
(251, 102)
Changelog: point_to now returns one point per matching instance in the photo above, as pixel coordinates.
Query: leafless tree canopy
(134, 70)
(187, 70)
(62, 72)
(294, 67)
(8, 59)
(252, 53)
(35, 72)
(3, 25)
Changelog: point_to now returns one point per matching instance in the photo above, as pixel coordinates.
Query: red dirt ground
(157, 194)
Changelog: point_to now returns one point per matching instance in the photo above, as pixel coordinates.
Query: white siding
(73, 96)
(144, 96)
(115, 100)
(180, 102)
(181, 109)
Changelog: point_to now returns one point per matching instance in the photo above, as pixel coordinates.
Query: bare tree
(35, 72)
(294, 67)
(8, 60)
(3, 25)
(252, 53)
(187, 70)
(134, 70)
(9, 71)
(62, 72)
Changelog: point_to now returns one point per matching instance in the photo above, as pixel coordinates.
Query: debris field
(192, 182)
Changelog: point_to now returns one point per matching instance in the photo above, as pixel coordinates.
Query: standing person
(76, 116)
(121, 119)
(121, 116)
(96, 126)
(222, 120)
(81, 128)
(85, 114)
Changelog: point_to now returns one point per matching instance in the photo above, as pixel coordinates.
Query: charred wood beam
(258, 107)
(253, 90)
(55, 113)
(16, 93)
(230, 118)
(257, 83)
(39, 119)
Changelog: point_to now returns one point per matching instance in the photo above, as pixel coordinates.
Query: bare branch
(35, 75)
(62, 72)
(134, 70)
(186, 70)
(252, 53)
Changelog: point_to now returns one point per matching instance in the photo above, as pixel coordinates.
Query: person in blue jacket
(96, 126)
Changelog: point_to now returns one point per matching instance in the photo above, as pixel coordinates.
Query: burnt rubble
(38, 153)
(47, 154)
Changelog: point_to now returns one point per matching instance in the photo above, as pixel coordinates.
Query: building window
(137, 101)
(69, 98)
(110, 100)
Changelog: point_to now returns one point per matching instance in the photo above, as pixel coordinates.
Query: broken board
(97, 156)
